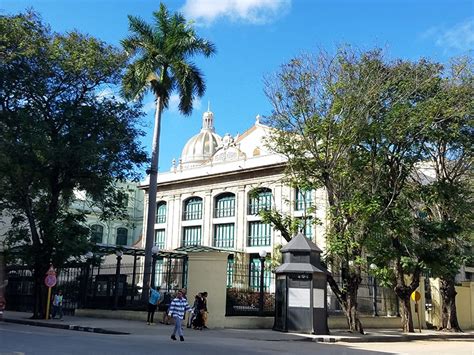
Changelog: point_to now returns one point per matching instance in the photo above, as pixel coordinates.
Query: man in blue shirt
(152, 303)
(177, 309)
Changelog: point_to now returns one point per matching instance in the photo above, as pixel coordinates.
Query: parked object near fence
(301, 290)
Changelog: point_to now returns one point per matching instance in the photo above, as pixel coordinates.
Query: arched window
(192, 209)
(97, 232)
(304, 199)
(161, 212)
(260, 199)
(122, 234)
(224, 205)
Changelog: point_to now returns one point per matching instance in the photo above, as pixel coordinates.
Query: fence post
(117, 278)
(262, 255)
(134, 275)
(374, 280)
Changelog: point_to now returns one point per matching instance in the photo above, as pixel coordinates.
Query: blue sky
(254, 37)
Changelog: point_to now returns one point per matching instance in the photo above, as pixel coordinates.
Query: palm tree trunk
(150, 225)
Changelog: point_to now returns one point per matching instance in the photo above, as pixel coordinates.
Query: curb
(64, 326)
(393, 338)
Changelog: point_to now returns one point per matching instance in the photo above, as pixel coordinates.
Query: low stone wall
(335, 322)
(119, 314)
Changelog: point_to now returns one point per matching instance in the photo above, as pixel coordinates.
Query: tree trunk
(348, 301)
(449, 316)
(39, 303)
(150, 225)
(352, 314)
(407, 320)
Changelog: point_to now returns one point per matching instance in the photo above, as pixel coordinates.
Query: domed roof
(203, 145)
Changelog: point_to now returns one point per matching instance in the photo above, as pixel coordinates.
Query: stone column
(207, 271)
(240, 220)
(207, 220)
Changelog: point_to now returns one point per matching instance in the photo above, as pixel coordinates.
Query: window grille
(259, 234)
(260, 200)
(161, 212)
(160, 238)
(191, 236)
(224, 235)
(193, 209)
(225, 206)
(304, 199)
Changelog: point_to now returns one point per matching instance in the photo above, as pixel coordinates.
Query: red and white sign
(50, 280)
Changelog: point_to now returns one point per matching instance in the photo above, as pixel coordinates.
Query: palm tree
(161, 64)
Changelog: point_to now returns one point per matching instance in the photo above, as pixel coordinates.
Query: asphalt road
(21, 339)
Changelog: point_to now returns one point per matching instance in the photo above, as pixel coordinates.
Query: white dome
(203, 145)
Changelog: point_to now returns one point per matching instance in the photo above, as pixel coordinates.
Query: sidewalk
(121, 327)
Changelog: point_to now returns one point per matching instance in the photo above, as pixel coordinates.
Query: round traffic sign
(50, 280)
(415, 296)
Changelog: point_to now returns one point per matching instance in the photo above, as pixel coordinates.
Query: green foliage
(58, 135)
(161, 56)
(366, 129)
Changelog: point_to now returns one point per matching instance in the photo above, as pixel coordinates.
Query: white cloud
(459, 37)
(250, 11)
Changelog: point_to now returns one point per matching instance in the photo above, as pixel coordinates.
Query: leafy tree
(354, 123)
(161, 63)
(58, 135)
(445, 184)
(316, 129)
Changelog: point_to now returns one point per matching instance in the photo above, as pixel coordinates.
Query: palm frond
(161, 65)
(190, 83)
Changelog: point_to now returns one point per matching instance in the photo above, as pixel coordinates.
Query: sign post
(50, 281)
(416, 296)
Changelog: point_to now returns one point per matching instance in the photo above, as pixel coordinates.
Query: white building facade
(212, 195)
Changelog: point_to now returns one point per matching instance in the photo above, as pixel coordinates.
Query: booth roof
(300, 243)
(302, 268)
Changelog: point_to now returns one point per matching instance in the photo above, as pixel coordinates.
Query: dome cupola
(203, 145)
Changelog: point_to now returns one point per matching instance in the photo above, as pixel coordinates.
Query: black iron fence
(250, 290)
(244, 294)
(372, 299)
(105, 285)
(19, 291)
(109, 287)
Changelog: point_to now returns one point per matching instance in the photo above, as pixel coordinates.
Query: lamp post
(89, 255)
(154, 254)
(119, 254)
(373, 267)
(263, 255)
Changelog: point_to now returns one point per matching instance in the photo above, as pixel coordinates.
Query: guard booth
(301, 293)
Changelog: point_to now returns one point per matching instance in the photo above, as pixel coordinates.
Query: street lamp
(119, 255)
(373, 267)
(89, 255)
(263, 255)
(154, 254)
